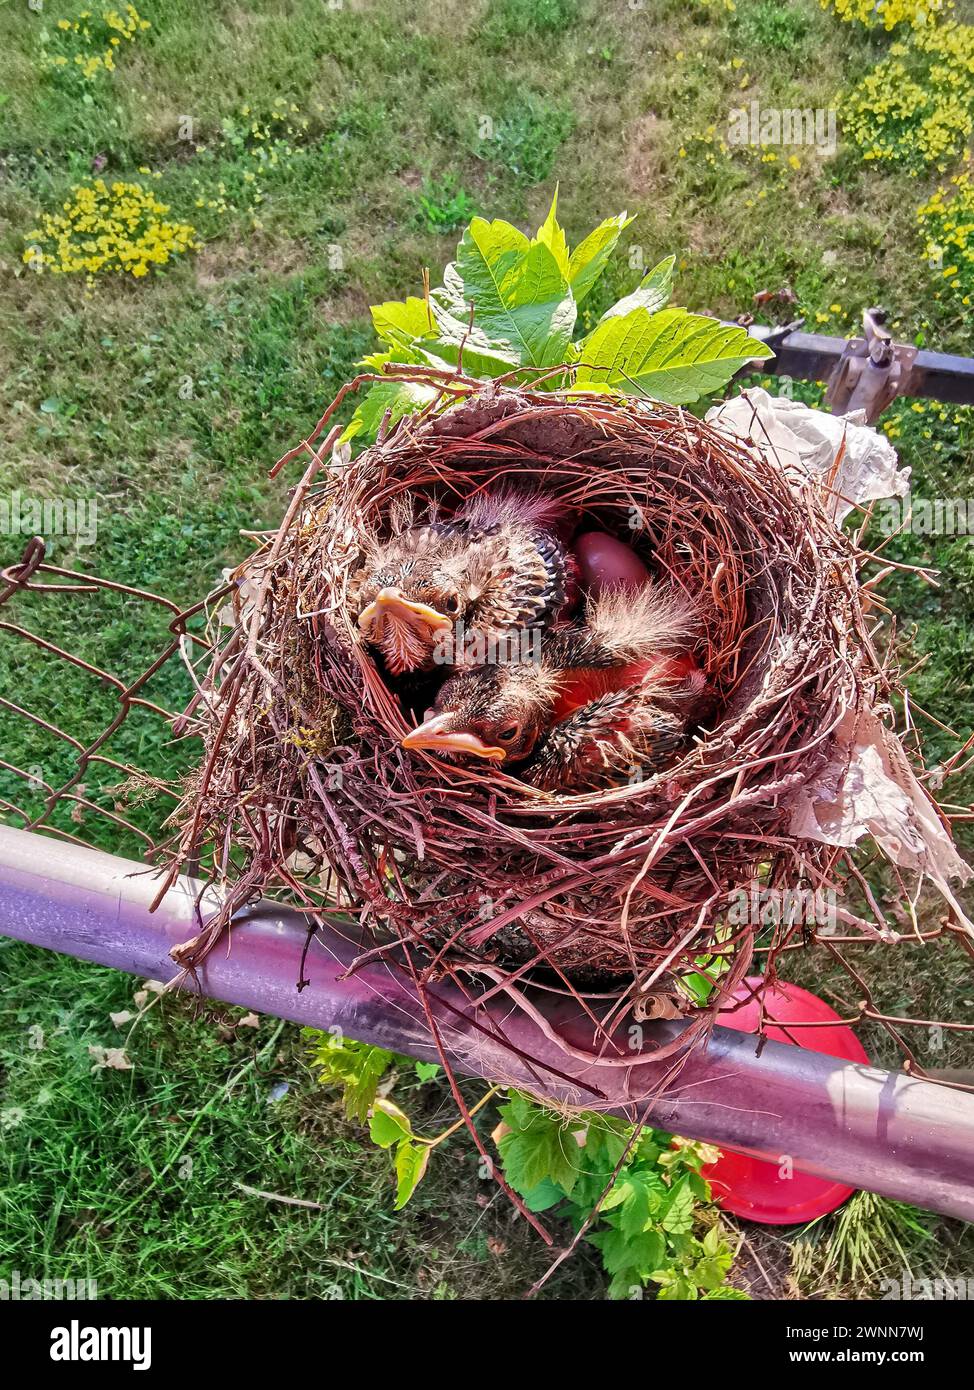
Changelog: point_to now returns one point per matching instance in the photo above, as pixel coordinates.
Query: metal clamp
(872, 371)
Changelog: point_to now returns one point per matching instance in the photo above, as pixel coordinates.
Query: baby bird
(500, 565)
(609, 698)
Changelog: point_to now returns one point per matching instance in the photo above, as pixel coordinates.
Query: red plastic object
(750, 1187)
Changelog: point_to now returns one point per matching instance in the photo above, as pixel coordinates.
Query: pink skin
(606, 563)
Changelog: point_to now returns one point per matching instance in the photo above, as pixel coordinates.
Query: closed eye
(511, 732)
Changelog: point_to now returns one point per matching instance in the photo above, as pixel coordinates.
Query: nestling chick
(500, 565)
(605, 698)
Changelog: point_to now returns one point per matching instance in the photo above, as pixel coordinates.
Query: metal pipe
(886, 1132)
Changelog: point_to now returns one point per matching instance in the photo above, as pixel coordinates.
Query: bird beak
(389, 603)
(437, 735)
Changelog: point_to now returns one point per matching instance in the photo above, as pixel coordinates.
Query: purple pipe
(882, 1131)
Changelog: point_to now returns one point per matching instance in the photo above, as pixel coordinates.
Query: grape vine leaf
(547, 1194)
(626, 1284)
(674, 1286)
(711, 1272)
(591, 256)
(482, 355)
(398, 397)
(399, 322)
(357, 1067)
(521, 298)
(644, 1193)
(671, 356)
(552, 235)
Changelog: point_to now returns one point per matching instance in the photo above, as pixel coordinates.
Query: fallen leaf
(109, 1058)
(141, 996)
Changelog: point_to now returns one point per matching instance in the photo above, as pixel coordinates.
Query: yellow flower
(102, 228)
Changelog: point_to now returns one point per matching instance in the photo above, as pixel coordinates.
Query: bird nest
(631, 892)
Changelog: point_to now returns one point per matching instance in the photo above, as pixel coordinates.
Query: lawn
(323, 154)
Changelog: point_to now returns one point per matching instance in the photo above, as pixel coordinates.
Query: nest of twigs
(476, 875)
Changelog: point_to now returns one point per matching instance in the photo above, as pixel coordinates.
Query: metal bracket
(872, 371)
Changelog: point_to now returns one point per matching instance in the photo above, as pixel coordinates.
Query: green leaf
(697, 987)
(644, 1198)
(711, 1272)
(605, 1142)
(626, 1284)
(591, 256)
(401, 321)
(375, 361)
(426, 1071)
(643, 1252)
(671, 356)
(547, 1194)
(552, 235)
(400, 398)
(616, 1195)
(538, 1153)
(725, 1291)
(540, 1145)
(482, 356)
(411, 1161)
(521, 298)
(714, 1241)
(675, 1288)
(51, 406)
(678, 1214)
(650, 1144)
(388, 1124)
(652, 294)
(634, 1217)
(355, 1066)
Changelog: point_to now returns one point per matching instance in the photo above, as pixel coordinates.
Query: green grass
(167, 400)
(133, 1178)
